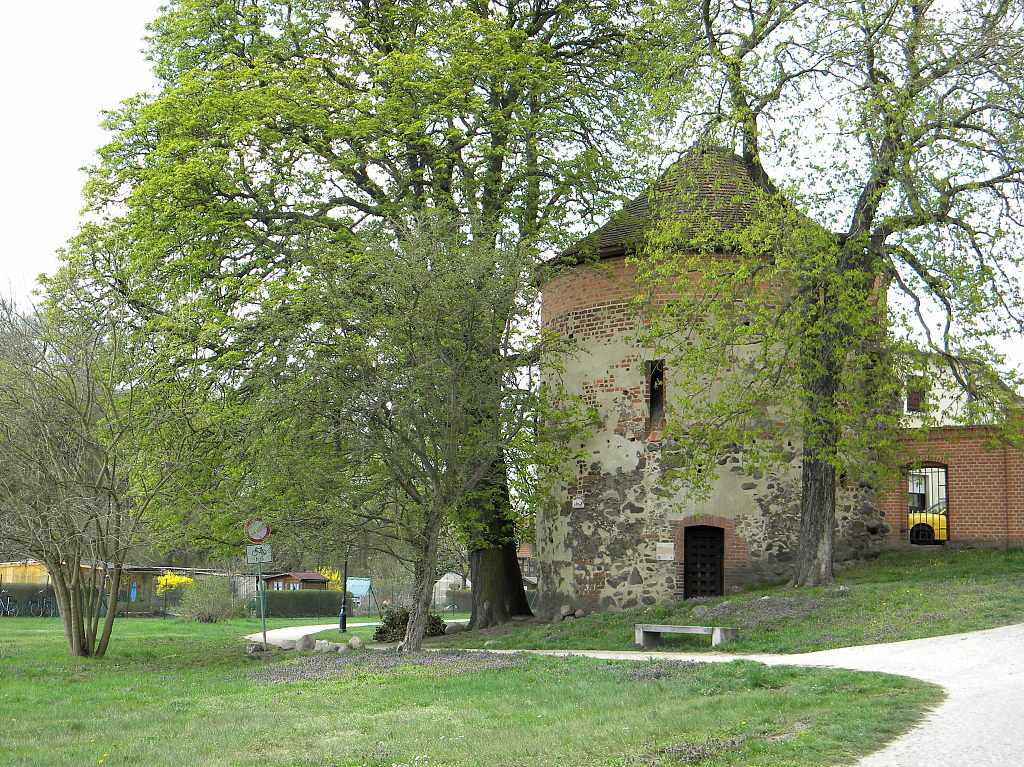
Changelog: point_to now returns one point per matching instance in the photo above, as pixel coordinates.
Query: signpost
(343, 617)
(257, 531)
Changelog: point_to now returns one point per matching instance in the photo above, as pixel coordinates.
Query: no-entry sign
(256, 530)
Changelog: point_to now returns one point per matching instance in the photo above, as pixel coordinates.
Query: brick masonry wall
(984, 486)
(601, 553)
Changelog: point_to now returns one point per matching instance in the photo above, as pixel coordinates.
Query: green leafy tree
(895, 125)
(282, 129)
(404, 381)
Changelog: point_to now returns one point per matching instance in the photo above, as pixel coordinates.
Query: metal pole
(343, 618)
(263, 601)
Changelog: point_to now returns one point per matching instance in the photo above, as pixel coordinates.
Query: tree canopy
(884, 141)
(282, 131)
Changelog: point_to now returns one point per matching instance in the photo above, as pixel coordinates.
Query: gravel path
(276, 636)
(980, 723)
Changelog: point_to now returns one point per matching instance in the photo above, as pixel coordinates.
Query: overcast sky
(61, 63)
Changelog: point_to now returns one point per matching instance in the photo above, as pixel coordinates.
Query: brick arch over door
(736, 552)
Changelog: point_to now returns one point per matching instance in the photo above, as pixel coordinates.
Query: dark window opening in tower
(656, 393)
(915, 396)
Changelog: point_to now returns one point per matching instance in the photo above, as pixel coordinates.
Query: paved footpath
(980, 723)
(276, 636)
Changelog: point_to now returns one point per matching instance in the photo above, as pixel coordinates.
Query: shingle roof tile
(708, 192)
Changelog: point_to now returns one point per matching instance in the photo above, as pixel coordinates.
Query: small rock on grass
(454, 628)
(566, 610)
(287, 644)
(356, 643)
(308, 642)
(254, 647)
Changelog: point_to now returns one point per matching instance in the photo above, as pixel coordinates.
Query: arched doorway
(703, 561)
(927, 507)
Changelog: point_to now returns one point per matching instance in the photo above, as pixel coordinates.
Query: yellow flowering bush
(170, 582)
(333, 578)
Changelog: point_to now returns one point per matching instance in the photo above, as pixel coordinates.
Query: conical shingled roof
(706, 194)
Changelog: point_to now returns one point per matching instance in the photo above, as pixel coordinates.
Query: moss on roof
(707, 195)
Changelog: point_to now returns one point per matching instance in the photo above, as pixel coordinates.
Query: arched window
(927, 504)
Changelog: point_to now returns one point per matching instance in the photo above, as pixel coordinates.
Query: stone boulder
(307, 642)
(356, 643)
(566, 610)
(287, 644)
(454, 628)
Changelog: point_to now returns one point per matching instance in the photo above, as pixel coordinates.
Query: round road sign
(256, 530)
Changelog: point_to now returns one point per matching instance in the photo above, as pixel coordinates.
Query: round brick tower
(617, 536)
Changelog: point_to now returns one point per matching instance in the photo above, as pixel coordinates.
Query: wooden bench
(649, 634)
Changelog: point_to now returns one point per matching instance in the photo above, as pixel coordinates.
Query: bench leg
(719, 635)
(647, 639)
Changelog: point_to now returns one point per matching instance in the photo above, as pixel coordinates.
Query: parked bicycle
(41, 606)
(8, 604)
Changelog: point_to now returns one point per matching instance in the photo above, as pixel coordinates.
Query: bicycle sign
(259, 554)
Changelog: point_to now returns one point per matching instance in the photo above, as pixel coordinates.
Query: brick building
(978, 483)
(618, 538)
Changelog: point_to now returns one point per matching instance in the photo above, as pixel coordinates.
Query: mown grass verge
(902, 595)
(177, 694)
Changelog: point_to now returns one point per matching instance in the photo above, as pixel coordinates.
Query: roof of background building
(314, 577)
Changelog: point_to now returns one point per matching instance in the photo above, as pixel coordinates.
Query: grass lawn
(333, 635)
(179, 695)
(912, 594)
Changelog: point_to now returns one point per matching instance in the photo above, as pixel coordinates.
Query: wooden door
(703, 561)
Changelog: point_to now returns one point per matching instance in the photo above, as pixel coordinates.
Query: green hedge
(308, 603)
(461, 598)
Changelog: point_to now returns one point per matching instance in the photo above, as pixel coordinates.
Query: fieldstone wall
(614, 538)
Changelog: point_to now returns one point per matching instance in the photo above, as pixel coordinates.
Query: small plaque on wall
(577, 502)
(665, 551)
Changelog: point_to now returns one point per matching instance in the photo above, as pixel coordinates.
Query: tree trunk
(494, 571)
(423, 587)
(817, 524)
(108, 620)
(78, 601)
(497, 586)
(821, 358)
